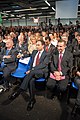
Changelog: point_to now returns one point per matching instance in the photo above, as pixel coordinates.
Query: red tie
(59, 63)
(37, 59)
(46, 48)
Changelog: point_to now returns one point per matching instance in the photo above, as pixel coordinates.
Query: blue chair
(40, 83)
(21, 70)
(74, 86)
(1, 73)
(72, 92)
(40, 80)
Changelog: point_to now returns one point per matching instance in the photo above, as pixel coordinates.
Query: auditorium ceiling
(29, 8)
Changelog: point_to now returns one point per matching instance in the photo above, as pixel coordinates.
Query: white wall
(66, 9)
(29, 22)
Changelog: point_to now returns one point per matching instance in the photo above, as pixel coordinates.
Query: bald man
(8, 61)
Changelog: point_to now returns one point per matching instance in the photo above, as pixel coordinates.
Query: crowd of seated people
(53, 54)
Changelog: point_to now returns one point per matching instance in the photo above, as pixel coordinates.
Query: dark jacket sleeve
(13, 57)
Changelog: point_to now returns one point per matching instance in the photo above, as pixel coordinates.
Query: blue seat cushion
(74, 85)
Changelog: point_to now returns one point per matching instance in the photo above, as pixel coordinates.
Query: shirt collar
(62, 51)
(40, 51)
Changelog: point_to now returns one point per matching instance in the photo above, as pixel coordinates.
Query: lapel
(42, 56)
(64, 56)
(4, 51)
(33, 55)
(10, 52)
(56, 58)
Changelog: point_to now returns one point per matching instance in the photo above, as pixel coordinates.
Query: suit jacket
(44, 61)
(66, 63)
(2, 44)
(51, 48)
(23, 49)
(11, 63)
(69, 46)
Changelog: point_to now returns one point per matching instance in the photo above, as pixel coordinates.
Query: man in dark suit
(49, 47)
(2, 44)
(22, 47)
(8, 61)
(65, 38)
(38, 69)
(77, 83)
(76, 49)
(76, 73)
(60, 65)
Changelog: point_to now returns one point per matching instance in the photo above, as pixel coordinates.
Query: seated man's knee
(63, 88)
(50, 86)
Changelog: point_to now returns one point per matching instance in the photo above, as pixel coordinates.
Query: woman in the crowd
(32, 44)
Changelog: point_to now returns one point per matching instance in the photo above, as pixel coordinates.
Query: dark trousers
(62, 84)
(77, 82)
(6, 76)
(29, 81)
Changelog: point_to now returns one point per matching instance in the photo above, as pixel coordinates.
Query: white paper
(25, 60)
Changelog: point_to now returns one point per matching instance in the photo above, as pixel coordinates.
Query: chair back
(74, 86)
(20, 72)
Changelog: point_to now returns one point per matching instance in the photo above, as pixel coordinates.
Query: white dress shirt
(34, 63)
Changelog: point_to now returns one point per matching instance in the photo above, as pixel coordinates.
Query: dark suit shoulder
(34, 52)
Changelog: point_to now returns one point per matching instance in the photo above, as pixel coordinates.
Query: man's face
(65, 38)
(9, 44)
(61, 46)
(78, 39)
(47, 42)
(39, 46)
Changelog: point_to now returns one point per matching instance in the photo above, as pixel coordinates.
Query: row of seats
(23, 66)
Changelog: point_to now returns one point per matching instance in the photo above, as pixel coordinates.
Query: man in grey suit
(61, 63)
(38, 69)
(8, 62)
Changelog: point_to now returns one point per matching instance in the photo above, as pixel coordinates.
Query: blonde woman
(32, 44)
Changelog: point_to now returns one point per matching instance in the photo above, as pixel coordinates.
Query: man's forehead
(61, 43)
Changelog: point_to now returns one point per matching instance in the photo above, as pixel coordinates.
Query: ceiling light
(7, 11)
(47, 3)
(44, 16)
(44, 7)
(23, 17)
(3, 13)
(51, 12)
(35, 14)
(53, 9)
(12, 15)
(25, 9)
(13, 18)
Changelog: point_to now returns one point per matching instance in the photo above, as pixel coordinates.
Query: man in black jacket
(8, 62)
(38, 69)
(61, 63)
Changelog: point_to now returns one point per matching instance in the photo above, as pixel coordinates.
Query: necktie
(37, 59)
(59, 62)
(46, 48)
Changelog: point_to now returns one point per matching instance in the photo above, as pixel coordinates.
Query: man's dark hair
(48, 38)
(78, 34)
(61, 40)
(43, 43)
